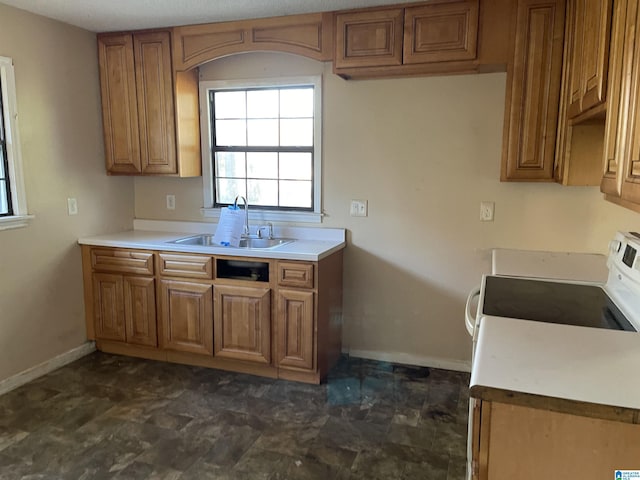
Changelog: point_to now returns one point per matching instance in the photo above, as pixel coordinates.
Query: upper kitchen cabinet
(590, 26)
(444, 32)
(439, 37)
(621, 179)
(580, 134)
(141, 100)
(369, 39)
(533, 91)
(308, 35)
(631, 164)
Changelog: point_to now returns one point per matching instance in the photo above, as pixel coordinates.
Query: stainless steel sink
(199, 240)
(263, 242)
(206, 240)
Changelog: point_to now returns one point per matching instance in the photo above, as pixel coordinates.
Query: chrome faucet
(269, 227)
(245, 229)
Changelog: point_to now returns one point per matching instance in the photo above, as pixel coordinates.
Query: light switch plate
(359, 208)
(72, 206)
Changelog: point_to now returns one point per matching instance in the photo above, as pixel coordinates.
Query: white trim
(7, 223)
(43, 368)
(207, 174)
(409, 359)
(14, 156)
(270, 215)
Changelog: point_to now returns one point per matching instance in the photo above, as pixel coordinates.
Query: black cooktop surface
(552, 302)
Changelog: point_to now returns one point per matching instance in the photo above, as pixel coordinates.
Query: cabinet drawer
(295, 274)
(122, 261)
(188, 266)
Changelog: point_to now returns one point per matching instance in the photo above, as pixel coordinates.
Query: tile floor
(113, 417)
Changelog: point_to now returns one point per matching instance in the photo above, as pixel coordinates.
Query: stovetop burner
(552, 302)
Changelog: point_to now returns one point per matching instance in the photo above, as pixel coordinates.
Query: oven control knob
(614, 246)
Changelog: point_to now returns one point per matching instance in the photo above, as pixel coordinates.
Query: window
(261, 140)
(13, 205)
(6, 207)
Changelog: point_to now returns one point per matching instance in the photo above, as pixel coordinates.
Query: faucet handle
(269, 226)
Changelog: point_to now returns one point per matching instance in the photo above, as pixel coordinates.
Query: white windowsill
(270, 216)
(17, 221)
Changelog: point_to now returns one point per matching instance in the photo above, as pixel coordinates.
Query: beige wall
(41, 302)
(424, 152)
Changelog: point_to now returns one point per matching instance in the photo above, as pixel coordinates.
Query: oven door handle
(469, 320)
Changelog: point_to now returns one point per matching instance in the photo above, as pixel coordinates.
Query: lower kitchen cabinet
(295, 329)
(186, 316)
(527, 443)
(140, 310)
(125, 309)
(196, 309)
(108, 294)
(242, 323)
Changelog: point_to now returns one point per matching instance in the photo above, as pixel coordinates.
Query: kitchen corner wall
(58, 97)
(424, 152)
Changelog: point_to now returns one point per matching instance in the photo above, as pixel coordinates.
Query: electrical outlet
(72, 206)
(171, 202)
(358, 208)
(486, 211)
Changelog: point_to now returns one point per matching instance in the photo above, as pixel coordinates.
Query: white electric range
(614, 304)
(580, 305)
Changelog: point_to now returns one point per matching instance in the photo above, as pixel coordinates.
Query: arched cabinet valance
(307, 35)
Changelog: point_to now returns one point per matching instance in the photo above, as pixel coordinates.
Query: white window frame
(207, 165)
(20, 217)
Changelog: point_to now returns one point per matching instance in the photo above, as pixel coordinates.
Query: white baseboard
(408, 359)
(43, 368)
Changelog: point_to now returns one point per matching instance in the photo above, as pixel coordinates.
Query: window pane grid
(254, 123)
(6, 208)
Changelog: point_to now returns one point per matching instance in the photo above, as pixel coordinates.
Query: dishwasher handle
(469, 319)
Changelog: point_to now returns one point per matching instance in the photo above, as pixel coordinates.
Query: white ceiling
(115, 15)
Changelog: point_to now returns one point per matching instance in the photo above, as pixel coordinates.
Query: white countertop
(586, 267)
(560, 361)
(306, 248)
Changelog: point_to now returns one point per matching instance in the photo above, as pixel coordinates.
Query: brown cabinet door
(533, 91)
(441, 32)
(295, 329)
(152, 53)
(186, 316)
(577, 43)
(242, 323)
(591, 25)
(108, 302)
(595, 63)
(618, 95)
(140, 310)
(369, 39)
(631, 170)
(119, 105)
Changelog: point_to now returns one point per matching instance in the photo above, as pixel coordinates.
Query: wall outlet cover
(487, 211)
(359, 208)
